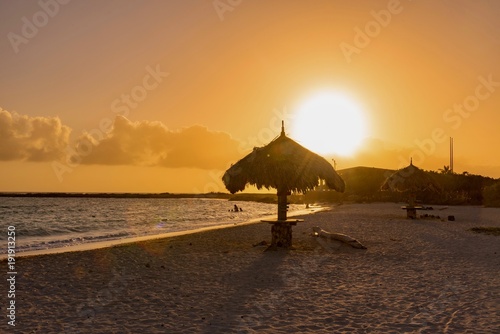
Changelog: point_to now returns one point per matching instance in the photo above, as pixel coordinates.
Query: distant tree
(445, 170)
(492, 195)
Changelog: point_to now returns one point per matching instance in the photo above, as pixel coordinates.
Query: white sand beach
(417, 276)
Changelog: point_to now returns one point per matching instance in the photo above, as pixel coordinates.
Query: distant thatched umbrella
(286, 166)
(410, 179)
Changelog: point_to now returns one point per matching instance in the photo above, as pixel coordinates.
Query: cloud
(148, 143)
(31, 138)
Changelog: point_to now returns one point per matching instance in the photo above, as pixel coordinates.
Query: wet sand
(417, 276)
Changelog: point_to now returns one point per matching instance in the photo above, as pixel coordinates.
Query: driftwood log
(345, 239)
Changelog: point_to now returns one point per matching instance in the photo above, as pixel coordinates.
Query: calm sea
(43, 223)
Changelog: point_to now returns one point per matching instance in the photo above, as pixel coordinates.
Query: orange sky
(156, 96)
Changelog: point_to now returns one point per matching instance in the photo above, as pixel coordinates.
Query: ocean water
(44, 223)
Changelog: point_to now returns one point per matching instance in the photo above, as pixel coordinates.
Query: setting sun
(329, 123)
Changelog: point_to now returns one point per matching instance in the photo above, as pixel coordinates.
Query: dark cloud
(152, 144)
(31, 138)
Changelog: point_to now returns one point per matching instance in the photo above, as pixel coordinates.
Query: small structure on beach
(410, 180)
(288, 167)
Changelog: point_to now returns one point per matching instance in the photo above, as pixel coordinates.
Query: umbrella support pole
(281, 229)
(281, 234)
(411, 213)
(282, 206)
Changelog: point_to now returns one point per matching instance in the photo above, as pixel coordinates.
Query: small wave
(70, 241)
(61, 222)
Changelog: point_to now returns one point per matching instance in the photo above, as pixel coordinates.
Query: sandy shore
(417, 276)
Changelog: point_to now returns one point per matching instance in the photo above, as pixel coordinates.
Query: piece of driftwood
(318, 232)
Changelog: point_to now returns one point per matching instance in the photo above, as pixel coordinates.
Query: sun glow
(329, 123)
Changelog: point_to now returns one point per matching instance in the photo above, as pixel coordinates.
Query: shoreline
(125, 241)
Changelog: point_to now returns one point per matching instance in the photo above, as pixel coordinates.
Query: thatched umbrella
(286, 166)
(410, 179)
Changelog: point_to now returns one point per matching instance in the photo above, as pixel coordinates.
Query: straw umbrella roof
(410, 179)
(283, 164)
